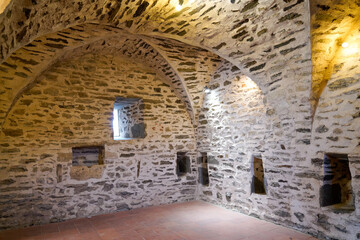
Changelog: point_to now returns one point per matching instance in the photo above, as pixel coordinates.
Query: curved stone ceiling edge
(60, 56)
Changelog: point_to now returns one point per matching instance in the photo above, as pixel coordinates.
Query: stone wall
(270, 115)
(266, 39)
(22, 69)
(235, 125)
(336, 129)
(238, 122)
(72, 106)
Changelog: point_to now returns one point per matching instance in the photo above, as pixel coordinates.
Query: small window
(336, 190)
(128, 119)
(88, 156)
(182, 164)
(203, 169)
(258, 179)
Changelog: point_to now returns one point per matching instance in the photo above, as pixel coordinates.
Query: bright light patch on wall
(207, 90)
(3, 5)
(178, 4)
(350, 49)
(211, 96)
(116, 123)
(178, 7)
(250, 83)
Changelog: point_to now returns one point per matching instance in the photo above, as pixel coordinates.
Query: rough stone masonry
(281, 87)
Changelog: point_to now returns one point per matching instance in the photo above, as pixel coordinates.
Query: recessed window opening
(182, 164)
(128, 120)
(336, 190)
(258, 179)
(88, 156)
(203, 169)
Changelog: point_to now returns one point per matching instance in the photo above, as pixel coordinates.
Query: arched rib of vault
(195, 66)
(3, 5)
(21, 69)
(24, 65)
(267, 40)
(243, 32)
(136, 48)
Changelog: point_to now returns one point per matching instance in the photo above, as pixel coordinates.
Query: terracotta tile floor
(181, 221)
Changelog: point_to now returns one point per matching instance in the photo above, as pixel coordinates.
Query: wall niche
(87, 162)
(258, 178)
(182, 164)
(88, 156)
(203, 169)
(336, 190)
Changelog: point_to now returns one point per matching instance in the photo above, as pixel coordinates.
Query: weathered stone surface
(84, 173)
(138, 130)
(342, 83)
(115, 185)
(7, 181)
(13, 132)
(267, 40)
(299, 216)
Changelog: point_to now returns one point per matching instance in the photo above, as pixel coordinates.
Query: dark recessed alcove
(182, 164)
(88, 156)
(203, 169)
(258, 179)
(336, 190)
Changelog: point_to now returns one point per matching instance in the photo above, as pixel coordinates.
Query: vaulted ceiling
(265, 40)
(332, 24)
(37, 33)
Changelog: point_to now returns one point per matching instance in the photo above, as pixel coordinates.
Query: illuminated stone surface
(280, 86)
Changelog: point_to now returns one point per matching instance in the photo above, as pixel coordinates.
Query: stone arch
(276, 56)
(26, 65)
(235, 124)
(74, 103)
(245, 41)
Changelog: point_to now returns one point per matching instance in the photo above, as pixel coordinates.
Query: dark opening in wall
(182, 164)
(59, 173)
(258, 179)
(138, 169)
(88, 156)
(336, 190)
(203, 169)
(128, 121)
